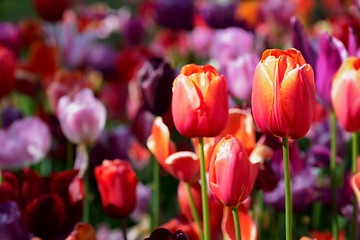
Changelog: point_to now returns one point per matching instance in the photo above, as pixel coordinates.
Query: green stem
(288, 195)
(334, 222)
(194, 212)
(86, 215)
(69, 155)
(155, 194)
(123, 227)
(205, 203)
(235, 213)
(354, 171)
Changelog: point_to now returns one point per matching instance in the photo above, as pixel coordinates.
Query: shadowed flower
(24, 143)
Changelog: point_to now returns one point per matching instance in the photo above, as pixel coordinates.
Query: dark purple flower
(296, 161)
(319, 156)
(155, 79)
(301, 42)
(102, 58)
(331, 54)
(9, 115)
(12, 226)
(134, 31)
(142, 125)
(175, 14)
(221, 16)
(164, 234)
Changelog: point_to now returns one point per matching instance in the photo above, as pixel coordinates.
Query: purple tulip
(163, 233)
(301, 42)
(155, 79)
(174, 14)
(102, 58)
(303, 191)
(331, 54)
(226, 44)
(220, 16)
(271, 9)
(12, 226)
(143, 196)
(25, 142)
(239, 75)
(134, 31)
(9, 115)
(142, 125)
(82, 119)
(200, 40)
(10, 36)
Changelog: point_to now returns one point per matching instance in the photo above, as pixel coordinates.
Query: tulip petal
(247, 225)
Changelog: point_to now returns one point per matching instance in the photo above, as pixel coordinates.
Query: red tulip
(283, 95)
(232, 175)
(7, 69)
(117, 183)
(51, 10)
(247, 225)
(345, 94)
(183, 165)
(200, 102)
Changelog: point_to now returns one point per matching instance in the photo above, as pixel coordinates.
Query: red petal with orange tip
(183, 165)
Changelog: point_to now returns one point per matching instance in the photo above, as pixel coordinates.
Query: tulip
(7, 69)
(239, 75)
(241, 125)
(155, 78)
(11, 224)
(283, 95)
(220, 16)
(331, 54)
(163, 233)
(50, 10)
(200, 103)
(184, 166)
(83, 118)
(82, 231)
(225, 47)
(173, 14)
(345, 92)
(248, 226)
(24, 143)
(46, 202)
(117, 183)
(355, 183)
(231, 175)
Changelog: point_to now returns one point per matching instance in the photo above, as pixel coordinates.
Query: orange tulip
(183, 165)
(355, 183)
(345, 94)
(231, 174)
(247, 225)
(159, 142)
(241, 125)
(200, 101)
(283, 94)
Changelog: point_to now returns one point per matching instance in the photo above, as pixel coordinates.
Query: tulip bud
(283, 95)
(231, 173)
(345, 92)
(7, 69)
(200, 103)
(155, 78)
(117, 183)
(83, 119)
(51, 10)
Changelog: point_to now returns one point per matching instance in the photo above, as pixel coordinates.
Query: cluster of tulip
(116, 123)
